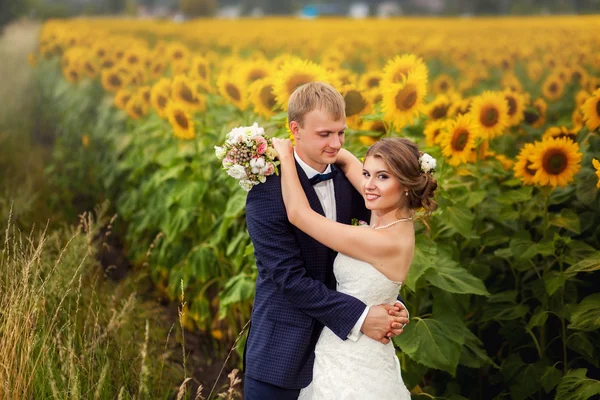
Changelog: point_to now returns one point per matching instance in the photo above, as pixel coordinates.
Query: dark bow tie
(323, 177)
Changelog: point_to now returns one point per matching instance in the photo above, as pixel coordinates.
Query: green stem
(537, 344)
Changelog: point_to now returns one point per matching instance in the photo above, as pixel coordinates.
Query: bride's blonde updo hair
(402, 157)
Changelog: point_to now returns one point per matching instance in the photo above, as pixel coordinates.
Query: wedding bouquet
(248, 156)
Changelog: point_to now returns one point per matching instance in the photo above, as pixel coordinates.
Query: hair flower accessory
(248, 156)
(427, 163)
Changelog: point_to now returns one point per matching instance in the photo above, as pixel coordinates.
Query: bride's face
(382, 190)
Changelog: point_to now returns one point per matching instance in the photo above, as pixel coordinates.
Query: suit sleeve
(279, 259)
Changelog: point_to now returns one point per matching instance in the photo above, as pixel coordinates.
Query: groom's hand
(383, 321)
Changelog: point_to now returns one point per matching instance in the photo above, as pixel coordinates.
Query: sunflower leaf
(585, 316)
(575, 385)
(567, 219)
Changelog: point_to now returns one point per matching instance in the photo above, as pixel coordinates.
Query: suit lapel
(342, 197)
(311, 195)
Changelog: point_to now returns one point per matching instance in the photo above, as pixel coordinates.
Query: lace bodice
(361, 280)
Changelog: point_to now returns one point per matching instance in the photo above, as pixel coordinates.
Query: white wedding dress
(365, 369)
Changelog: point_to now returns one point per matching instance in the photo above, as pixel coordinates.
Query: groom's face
(320, 138)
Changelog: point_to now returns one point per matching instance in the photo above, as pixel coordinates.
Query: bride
(372, 262)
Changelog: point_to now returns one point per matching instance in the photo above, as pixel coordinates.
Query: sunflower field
(503, 288)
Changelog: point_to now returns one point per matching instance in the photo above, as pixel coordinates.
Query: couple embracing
(327, 303)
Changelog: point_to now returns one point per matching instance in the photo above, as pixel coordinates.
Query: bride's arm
(357, 242)
(352, 168)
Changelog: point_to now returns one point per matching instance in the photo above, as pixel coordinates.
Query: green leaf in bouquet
(585, 316)
(448, 275)
(432, 343)
(575, 385)
(567, 219)
(239, 288)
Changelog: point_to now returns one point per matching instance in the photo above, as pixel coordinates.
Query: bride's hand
(283, 147)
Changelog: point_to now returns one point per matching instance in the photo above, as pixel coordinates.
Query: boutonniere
(358, 222)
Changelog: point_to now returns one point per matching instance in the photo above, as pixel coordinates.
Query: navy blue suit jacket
(295, 287)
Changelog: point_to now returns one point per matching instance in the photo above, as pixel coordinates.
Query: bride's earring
(406, 193)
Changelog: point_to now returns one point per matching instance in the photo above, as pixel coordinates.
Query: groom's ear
(294, 128)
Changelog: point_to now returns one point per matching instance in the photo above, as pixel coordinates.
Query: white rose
(427, 162)
(237, 172)
(220, 152)
(236, 135)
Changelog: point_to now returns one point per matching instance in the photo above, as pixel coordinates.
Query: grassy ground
(66, 330)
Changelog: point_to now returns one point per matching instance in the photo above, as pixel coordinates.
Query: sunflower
(460, 107)
(516, 107)
(90, 68)
(511, 82)
(145, 92)
(122, 98)
(399, 67)
(403, 102)
(370, 80)
(293, 74)
(181, 121)
(560, 132)
(459, 141)
(439, 107)
(506, 162)
(262, 97)
(596, 165)
(157, 69)
(374, 126)
(255, 70)
(553, 87)
(535, 70)
(72, 74)
(556, 161)
(136, 107)
(591, 111)
(159, 100)
(522, 167)
(200, 69)
(184, 92)
(489, 112)
(357, 105)
(434, 132)
(577, 119)
(442, 84)
(177, 52)
(581, 97)
(579, 76)
(536, 115)
(233, 90)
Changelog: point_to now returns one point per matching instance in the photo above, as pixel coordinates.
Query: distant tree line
(43, 9)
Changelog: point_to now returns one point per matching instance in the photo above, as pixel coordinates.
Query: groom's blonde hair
(312, 96)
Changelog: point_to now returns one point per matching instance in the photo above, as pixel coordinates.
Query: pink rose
(270, 169)
(261, 145)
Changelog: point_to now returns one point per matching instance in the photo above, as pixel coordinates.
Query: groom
(296, 289)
